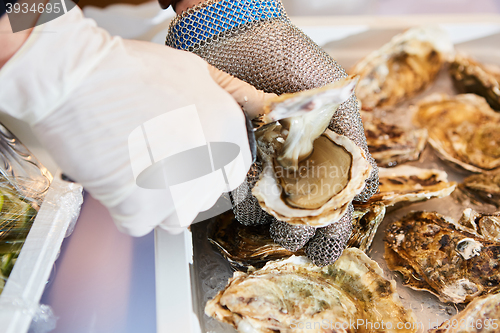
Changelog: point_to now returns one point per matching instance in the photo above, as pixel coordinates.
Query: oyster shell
(310, 173)
(471, 76)
(484, 225)
(484, 186)
(480, 316)
(409, 184)
(294, 295)
(365, 223)
(304, 116)
(402, 67)
(437, 254)
(319, 192)
(463, 129)
(390, 144)
(245, 246)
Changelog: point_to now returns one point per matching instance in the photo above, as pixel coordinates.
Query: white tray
(59, 206)
(347, 39)
(19, 301)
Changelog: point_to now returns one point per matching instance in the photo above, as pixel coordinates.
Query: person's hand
(107, 109)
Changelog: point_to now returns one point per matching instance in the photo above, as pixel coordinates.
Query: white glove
(97, 101)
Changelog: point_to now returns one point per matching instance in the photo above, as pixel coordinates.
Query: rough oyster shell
(463, 129)
(347, 169)
(245, 246)
(437, 254)
(410, 184)
(390, 144)
(402, 67)
(365, 223)
(482, 315)
(293, 291)
(471, 76)
(484, 186)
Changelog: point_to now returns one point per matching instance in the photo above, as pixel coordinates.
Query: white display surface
(477, 35)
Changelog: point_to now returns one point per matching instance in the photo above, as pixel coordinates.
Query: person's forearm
(10, 42)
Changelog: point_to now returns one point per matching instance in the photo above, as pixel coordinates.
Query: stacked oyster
(455, 260)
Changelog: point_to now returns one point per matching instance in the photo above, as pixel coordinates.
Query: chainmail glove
(255, 41)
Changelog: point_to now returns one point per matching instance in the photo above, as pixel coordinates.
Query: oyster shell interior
(294, 294)
(480, 316)
(304, 116)
(463, 129)
(390, 144)
(402, 67)
(437, 254)
(318, 193)
(471, 76)
(409, 184)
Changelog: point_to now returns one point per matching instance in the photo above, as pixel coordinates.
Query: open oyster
(294, 295)
(402, 67)
(484, 186)
(463, 129)
(310, 175)
(365, 223)
(245, 246)
(409, 184)
(390, 144)
(482, 315)
(470, 76)
(437, 254)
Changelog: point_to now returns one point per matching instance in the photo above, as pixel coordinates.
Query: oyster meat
(365, 223)
(409, 184)
(463, 129)
(402, 67)
(484, 186)
(310, 175)
(437, 254)
(294, 295)
(471, 76)
(482, 315)
(390, 144)
(245, 246)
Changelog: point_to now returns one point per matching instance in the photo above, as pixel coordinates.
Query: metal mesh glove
(328, 243)
(255, 41)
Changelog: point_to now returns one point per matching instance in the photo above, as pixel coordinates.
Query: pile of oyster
(456, 260)
(294, 295)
